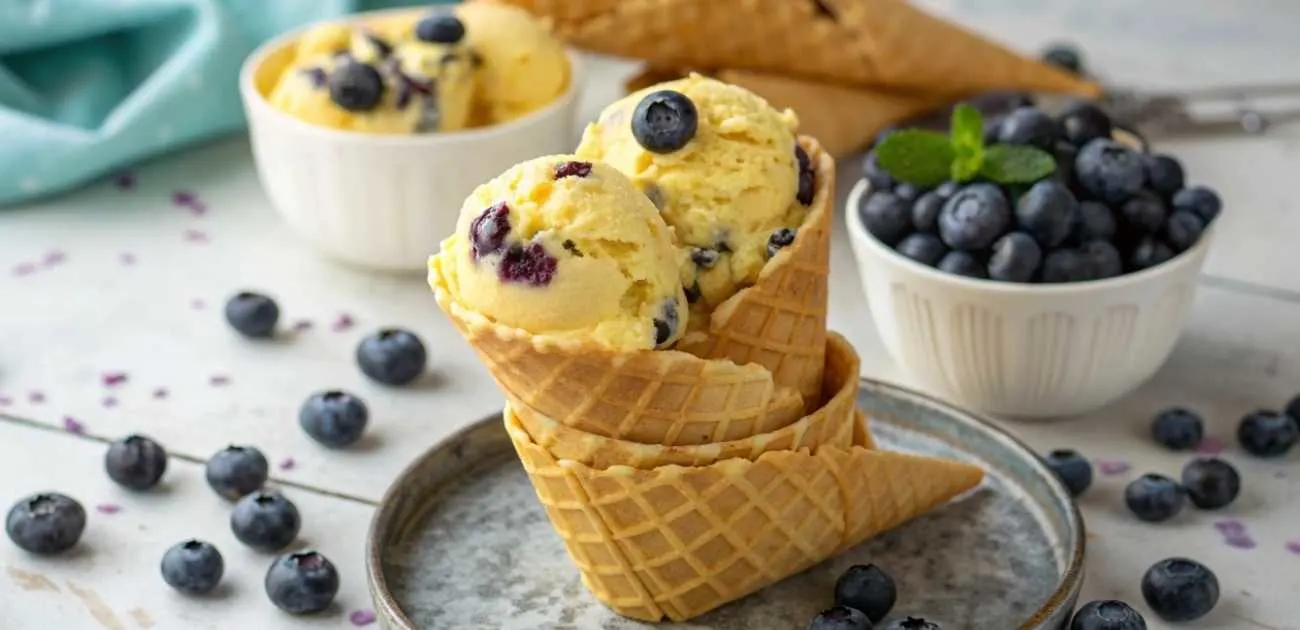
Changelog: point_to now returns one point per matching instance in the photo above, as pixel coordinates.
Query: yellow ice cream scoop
(524, 65)
(565, 248)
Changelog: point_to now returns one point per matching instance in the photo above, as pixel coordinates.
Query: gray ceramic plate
(461, 541)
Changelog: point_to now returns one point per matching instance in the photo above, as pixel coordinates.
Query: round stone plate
(460, 541)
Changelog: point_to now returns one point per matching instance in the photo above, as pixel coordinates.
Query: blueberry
(925, 212)
(926, 249)
(1211, 483)
(779, 240)
(1073, 470)
(840, 618)
(488, 230)
(1164, 174)
(440, 28)
(907, 192)
(252, 314)
(527, 264)
(1064, 56)
(807, 177)
(235, 471)
(46, 524)
(1183, 230)
(193, 567)
(302, 583)
(1028, 126)
(947, 189)
(963, 264)
(992, 125)
(974, 217)
(1149, 252)
(705, 258)
(265, 521)
(875, 174)
(885, 216)
(664, 121)
(1015, 258)
(1064, 153)
(1083, 122)
(1065, 265)
(356, 87)
(1178, 429)
(1267, 433)
(666, 324)
(1094, 221)
(1107, 615)
(1199, 200)
(913, 623)
(1154, 498)
(1109, 171)
(135, 462)
(1047, 211)
(334, 418)
(391, 356)
(1100, 260)
(572, 169)
(1178, 589)
(1145, 212)
(866, 588)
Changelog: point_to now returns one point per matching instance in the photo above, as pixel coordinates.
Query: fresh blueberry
(1148, 253)
(840, 618)
(1183, 230)
(1267, 433)
(527, 264)
(925, 212)
(235, 471)
(705, 258)
(947, 189)
(664, 121)
(1154, 498)
(807, 177)
(885, 216)
(992, 126)
(335, 419)
(46, 524)
(252, 314)
(135, 462)
(1164, 174)
(1083, 122)
(440, 28)
(1073, 470)
(866, 587)
(391, 356)
(1065, 265)
(1064, 56)
(1047, 211)
(356, 86)
(1109, 171)
(963, 264)
(1029, 126)
(1178, 589)
(488, 230)
(572, 169)
(1211, 483)
(1178, 429)
(779, 240)
(974, 217)
(1144, 211)
(1015, 258)
(1094, 221)
(302, 583)
(1064, 153)
(1101, 260)
(1199, 200)
(666, 324)
(1107, 615)
(876, 175)
(907, 192)
(913, 623)
(193, 567)
(926, 249)
(265, 521)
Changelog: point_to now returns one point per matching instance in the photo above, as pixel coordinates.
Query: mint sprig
(928, 158)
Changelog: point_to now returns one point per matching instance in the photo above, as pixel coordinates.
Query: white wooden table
(113, 279)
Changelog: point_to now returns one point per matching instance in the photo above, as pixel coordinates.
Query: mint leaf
(967, 129)
(917, 156)
(966, 166)
(1012, 164)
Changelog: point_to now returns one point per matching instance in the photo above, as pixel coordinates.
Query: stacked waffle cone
(681, 480)
(849, 68)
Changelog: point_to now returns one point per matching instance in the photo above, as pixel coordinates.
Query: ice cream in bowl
(368, 133)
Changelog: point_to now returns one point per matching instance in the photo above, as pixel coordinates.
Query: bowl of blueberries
(1038, 265)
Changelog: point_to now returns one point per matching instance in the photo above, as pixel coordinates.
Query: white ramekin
(1020, 350)
(384, 201)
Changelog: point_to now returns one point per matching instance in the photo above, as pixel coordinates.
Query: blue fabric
(90, 86)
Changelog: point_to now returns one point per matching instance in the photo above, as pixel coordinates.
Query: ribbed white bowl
(384, 201)
(1026, 351)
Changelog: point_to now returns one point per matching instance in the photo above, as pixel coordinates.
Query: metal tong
(1249, 109)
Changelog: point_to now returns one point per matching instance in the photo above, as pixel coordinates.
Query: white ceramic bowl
(1018, 350)
(384, 202)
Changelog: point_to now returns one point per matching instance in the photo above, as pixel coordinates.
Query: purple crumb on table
(24, 269)
(219, 380)
(5, 401)
(197, 304)
(1293, 546)
(288, 463)
(1210, 446)
(195, 236)
(113, 378)
(54, 257)
(1230, 527)
(110, 401)
(1112, 467)
(126, 258)
(1240, 542)
(302, 325)
(71, 425)
(183, 198)
(160, 393)
(36, 397)
(362, 617)
(125, 180)
(342, 322)
(108, 508)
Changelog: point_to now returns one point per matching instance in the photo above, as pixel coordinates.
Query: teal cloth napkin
(91, 86)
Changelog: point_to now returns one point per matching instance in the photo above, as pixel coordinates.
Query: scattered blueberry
(135, 462)
(1267, 433)
(302, 583)
(572, 169)
(1065, 265)
(1211, 483)
(1164, 174)
(704, 258)
(807, 177)
(1109, 171)
(236, 471)
(963, 264)
(913, 623)
(1178, 589)
(193, 567)
(440, 28)
(1149, 252)
(1094, 221)
(356, 86)
(1083, 122)
(924, 248)
(1178, 429)
(1107, 615)
(1154, 498)
(1183, 230)
(1199, 200)
(1047, 211)
(664, 121)
(265, 521)
(906, 191)
(1064, 56)
(876, 175)
(527, 264)
(45, 524)
(1028, 126)
(1015, 258)
(840, 618)
(779, 240)
(666, 324)
(925, 212)
(974, 217)
(252, 314)
(1072, 469)
(392, 356)
(334, 418)
(866, 588)
(885, 216)
(1100, 260)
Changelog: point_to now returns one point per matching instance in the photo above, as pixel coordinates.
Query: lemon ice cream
(524, 66)
(564, 248)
